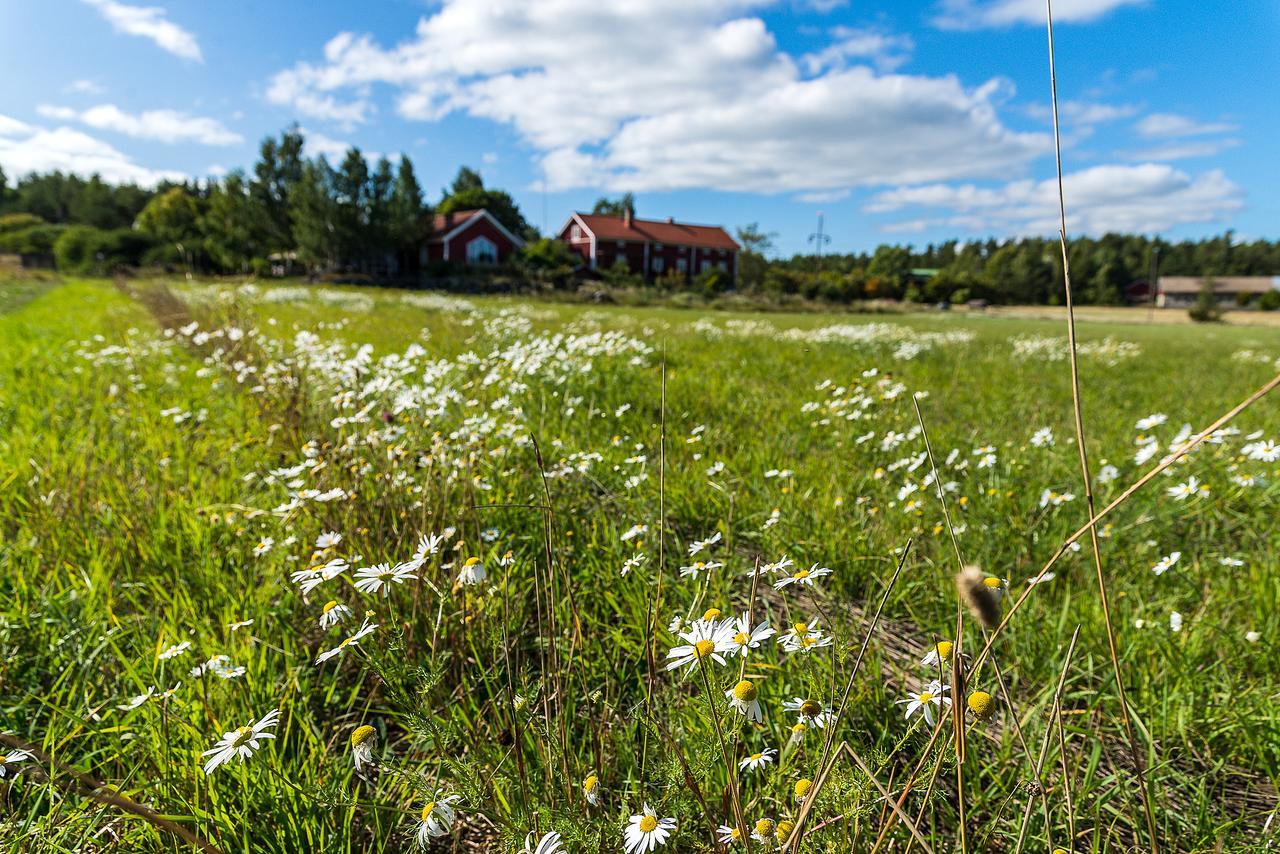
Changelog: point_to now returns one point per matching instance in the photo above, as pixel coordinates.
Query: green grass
(125, 531)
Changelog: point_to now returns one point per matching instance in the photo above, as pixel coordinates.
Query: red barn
(650, 247)
(469, 237)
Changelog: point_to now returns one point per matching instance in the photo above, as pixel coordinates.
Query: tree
(406, 210)
(547, 260)
(1206, 308)
(314, 214)
(752, 263)
(351, 188)
(275, 175)
(619, 207)
(469, 193)
(230, 239)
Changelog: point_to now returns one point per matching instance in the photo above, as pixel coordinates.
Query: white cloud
(1143, 198)
(977, 14)
(888, 51)
(1184, 150)
(160, 125)
(667, 94)
(1172, 125)
(820, 197)
(26, 148)
(149, 22)
(1083, 112)
(331, 149)
(85, 87)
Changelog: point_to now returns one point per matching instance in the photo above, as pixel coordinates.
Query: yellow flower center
(471, 561)
(428, 810)
(807, 641)
(703, 648)
(755, 757)
(360, 735)
(804, 573)
(765, 826)
(648, 824)
(798, 728)
(591, 783)
(784, 830)
(926, 696)
(741, 638)
(329, 606)
(944, 649)
(734, 833)
(980, 704)
(801, 628)
(810, 708)
(710, 613)
(992, 582)
(803, 787)
(242, 734)
(745, 691)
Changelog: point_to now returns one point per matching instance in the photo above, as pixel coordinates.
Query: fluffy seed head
(978, 597)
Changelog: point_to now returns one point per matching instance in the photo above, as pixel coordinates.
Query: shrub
(84, 249)
(1206, 309)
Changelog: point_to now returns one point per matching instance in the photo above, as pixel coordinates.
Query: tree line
(297, 214)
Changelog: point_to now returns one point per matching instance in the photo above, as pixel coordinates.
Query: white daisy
(925, 701)
(472, 572)
(591, 788)
(365, 628)
(745, 697)
(804, 637)
(363, 739)
(728, 835)
(763, 830)
(264, 545)
(328, 540)
(1166, 563)
(1186, 490)
(698, 567)
(241, 742)
(9, 761)
(380, 577)
(332, 613)
(646, 831)
(756, 761)
(802, 576)
(174, 651)
(746, 638)
(809, 712)
(548, 844)
(706, 639)
(699, 545)
(437, 818)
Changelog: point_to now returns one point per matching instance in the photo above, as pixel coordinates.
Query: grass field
(206, 488)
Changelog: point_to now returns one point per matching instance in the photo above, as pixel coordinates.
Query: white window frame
(483, 243)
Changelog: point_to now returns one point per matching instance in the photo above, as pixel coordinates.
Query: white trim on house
(466, 222)
(573, 217)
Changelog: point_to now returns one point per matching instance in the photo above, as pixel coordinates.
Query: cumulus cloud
(981, 14)
(85, 87)
(1144, 198)
(1083, 112)
(1184, 150)
(160, 125)
(27, 148)
(887, 51)
(671, 94)
(318, 144)
(149, 22)
(1169, 125)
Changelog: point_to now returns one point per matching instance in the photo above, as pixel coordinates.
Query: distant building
(469, 237)
(1181, 291)
(649, 247)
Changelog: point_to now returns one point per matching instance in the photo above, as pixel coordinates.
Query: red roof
(606, 227)
(443, 223)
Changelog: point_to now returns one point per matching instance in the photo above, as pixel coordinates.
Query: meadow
(289, 568)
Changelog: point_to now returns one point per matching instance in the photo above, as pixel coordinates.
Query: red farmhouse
(652, 248)
(469, 237)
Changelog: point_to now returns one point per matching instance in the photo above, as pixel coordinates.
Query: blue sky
(902, 122)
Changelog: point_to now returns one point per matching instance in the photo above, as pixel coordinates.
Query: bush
(84, 249)
(1206, 309)
(34, 239)
(1270, 301)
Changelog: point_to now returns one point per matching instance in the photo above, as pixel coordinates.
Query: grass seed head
(980, 599)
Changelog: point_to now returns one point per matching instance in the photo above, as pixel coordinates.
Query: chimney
(671, 220)
(626, 217)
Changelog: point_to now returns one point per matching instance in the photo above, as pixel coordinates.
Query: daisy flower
(380, 577)
(9, 761)
(763, 830)
(745, 697)
(746, 638)
(366, 628)
(728, 835)
(706, 639)
(1186, 490)
(925, 701)
(1042, 438)
(646, 831)
(699, 566)
(809, 712)
(363, 739)
(804, 637)
(939, 656)
(437, 818)
(174, 651)
(634, 531)
(328, 540)
(241, 742)
(239, 624)
(756, 761)
(332, 613)
(802, 576)
(591, 789)
(1166, 563)
(137, 701)
(264, 545)
(699, 545)
(548, 844)
(310, 579)
(472, 572)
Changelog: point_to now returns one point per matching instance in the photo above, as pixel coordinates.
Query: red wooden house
(469, 237)
(650, 247)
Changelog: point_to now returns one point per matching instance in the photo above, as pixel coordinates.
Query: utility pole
(819, 239)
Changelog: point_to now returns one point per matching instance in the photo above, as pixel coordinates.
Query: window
(657, 265)
(682, 265)
(481, 250)
(657, 247)
(575, 233)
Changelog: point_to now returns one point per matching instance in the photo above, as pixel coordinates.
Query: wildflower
(241, 742)
(1151, 421)
(366, 628)
(925, 701)
(981, 704)
(174, 651)
(939, 656)
(548, 844)
(472, 572)
(728, 835)
(763, 830)
(1175, 621)
(759, 760)
(783, 832)
(239, 624)
(328, 540)
(809, 711)
(699, 566)
(591, 789)
(1107, 473)
(137, 701)
(997, 586)
(699, 545)
(1252, 636)
(11, 759)
(310, 579)
(803, 637)
(1186, 490)
(746, 638)
(219, 665)
(1043, 437)
(334, 612)
(1267, 451)
(1166, 563)
(363, 739)
(437, 818)
(380, 576)
(646, 831)
(802, 788)
(1230, 561)
(705, 640)
(1049, 497)
(745, 697)
(633, 562)
(635, 531)
(803, 576)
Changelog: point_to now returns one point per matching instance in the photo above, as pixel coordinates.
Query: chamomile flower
(756, 761)
(241, 742)
(802, 788)
(380, 577)
(981, 704)
(174, 651)
(363, 739)
(746, 638)
(239, 624)
(939, 656)
(591, 789)
(706, 640)
(548, 844)
(997, 586)
(1166, 563)
(328, 540)
(809, 712)
(646, 831)
(728, 835)
(699, 545)
(802, 576)
(332, 613)
(745, 697)
(311, 578)
(264, 545)
(1042, 438)
(472, 572)
(1188, 489)
(437, 818)
(366, 628)
(139, 700)
(763, 830)
(804, 637)
(783, 831)
(9, 761)
(933, 696)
